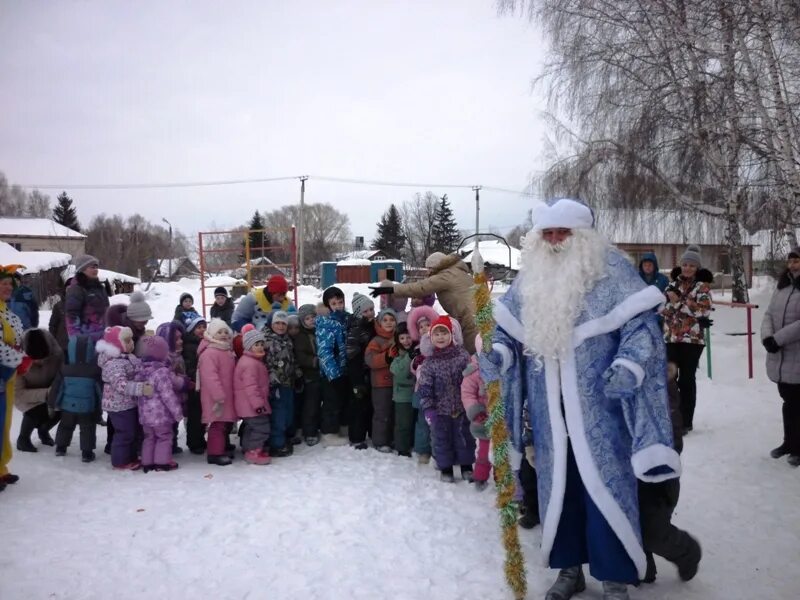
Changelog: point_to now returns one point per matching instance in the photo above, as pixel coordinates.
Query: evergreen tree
(390, 238)
(258, 239)
(445, 232)
(64, 213)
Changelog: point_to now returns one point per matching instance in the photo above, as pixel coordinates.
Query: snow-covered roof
(354, 262)
(102, 275)
(495, 252)
(175, 263)
(34, 262)
(27, 227)
(654, 226)
(361, 255)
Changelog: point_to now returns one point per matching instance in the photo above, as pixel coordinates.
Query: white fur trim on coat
(635, 304)
(653, 456)
(107, 349)
(633, 367)
(508, 358)
(506, 320)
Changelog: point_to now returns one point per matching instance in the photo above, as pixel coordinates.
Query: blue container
(327, 274)
(393, 269)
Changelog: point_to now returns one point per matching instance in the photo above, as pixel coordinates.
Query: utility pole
(170, 247)
(301, 230)
(477, 190)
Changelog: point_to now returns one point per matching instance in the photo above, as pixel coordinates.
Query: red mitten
(25, 365)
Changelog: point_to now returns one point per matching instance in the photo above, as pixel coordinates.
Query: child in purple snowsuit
(159, 412)
(120, 394)
(439, 386)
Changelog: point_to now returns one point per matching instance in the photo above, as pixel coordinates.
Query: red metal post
(294, 263)
(202, 273)
(750, 340)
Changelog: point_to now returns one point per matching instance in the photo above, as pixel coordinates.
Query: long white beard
(555, 280)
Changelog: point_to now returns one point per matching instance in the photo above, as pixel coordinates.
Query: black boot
(87, 456)
(781, 450)
(26, 428)
(45, 438)
(221, 461)
(690, 561)
(650, 574)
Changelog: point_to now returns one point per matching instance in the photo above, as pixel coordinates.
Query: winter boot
(256, 457)
(650, 574)
(615, 591)
(447, 475)
(529, 520)
(9, 479)
(781, 450)
(481, 485)
(281, 452)
(198, 449)
(569, 582)
(44, 437)
(87, 456)
(170, 466)
(690, 561)
(361, 446)
(2, 486)
(384, 449)
(344, 431)
(424, 459)
(131, 466)
(148, 468)
(332, 439)
(794, 460)
(312, 440)
(297, 439)
(61, 450)
(221, 461)
(177, 449)
(405, 454)
(466, 473)
(25, 430)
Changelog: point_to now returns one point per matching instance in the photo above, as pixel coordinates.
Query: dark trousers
(125, 445)
(88, 428)
(687, 358)
(382, 416)
(584, 535)
(791, 416)
(195, 431)
(335, 400)
(657, 501)
(311, 405)
(256, 432)
(281, 399)
(360, 415)
(403, 427)
(530, 487)
(452, 442)
(37, 419)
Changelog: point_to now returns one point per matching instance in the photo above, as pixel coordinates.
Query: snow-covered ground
(334, 523)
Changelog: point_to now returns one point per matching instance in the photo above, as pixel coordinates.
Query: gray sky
(141, 92)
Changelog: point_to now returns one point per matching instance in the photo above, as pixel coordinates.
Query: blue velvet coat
(614, 442)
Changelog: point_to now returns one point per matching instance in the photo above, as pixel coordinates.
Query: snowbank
(34, 262)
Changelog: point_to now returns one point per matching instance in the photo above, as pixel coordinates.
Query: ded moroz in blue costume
(578, 343)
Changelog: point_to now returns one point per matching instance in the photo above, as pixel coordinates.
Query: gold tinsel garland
(503, 474)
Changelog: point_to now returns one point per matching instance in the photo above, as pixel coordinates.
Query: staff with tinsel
(505, 483)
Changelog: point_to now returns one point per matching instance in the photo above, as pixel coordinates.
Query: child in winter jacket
(402, 391)
(474, 399)
(280, 362)
(251, 393)
(78, 397)
(32, 388)
(120, 394)
(215, 367)
(173, 333)
(332, 354)
(305, 355)
(195, 431)
(185, 311)
(161, 410)
(296, 432)
(440, 380)
(360, 329)
(379, 354)
(419, 324)
(223, 306)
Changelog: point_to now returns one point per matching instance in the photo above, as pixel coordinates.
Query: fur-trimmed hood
(415, 315)
(452, 260)
(786, 279)
(703, 275)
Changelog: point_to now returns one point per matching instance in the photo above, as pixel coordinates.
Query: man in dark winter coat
(223, 305)
(360, 330)
(648, 270)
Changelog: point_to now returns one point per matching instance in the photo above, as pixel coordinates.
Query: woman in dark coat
(87, 300)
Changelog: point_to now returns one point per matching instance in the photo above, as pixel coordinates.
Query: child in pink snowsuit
(215, 366)
(251, 393)
(473, 396)
(159, 412)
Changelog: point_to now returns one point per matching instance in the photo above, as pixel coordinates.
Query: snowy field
(334, 523)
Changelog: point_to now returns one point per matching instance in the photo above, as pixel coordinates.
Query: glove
(619, 382)
(147, 389)
(391, 354)
(218, 408)
(380, 290)
(771, 345)
(480, 418)
(704, 322)
(25, 365)
(429, 415)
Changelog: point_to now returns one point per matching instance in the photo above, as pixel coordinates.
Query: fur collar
(786, 279)
(107, 349)
(448, 262)
(702, 275)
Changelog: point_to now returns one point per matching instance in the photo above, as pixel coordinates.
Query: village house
(41, 235)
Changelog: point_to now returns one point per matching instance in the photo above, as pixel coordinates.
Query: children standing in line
(160, 411)
(332, 354)
(120, 394)
(195, 430)
(251, 393)
(474, 399)
(419, 324)
(377, 358)
(360, 329)
(402, 391)
(305, 354)
(440, 380)
(215, 367)
(280, 363)
(78, 397)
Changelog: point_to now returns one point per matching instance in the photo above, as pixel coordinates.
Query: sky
(152, 92)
